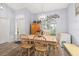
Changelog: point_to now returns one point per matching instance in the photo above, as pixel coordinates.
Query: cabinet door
(35, 28)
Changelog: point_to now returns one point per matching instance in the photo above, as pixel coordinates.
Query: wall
(25, 15)
(12, 24)
(6, 16)
(33, 17)
(73, 22)
(68, 22)
(10, 15)
(61, 25)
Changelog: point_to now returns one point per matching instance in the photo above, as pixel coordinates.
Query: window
(49, 23)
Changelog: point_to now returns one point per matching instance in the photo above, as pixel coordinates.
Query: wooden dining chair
(41, 47)
(26, 46)
(55, 47)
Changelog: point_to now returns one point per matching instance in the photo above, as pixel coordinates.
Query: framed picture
(77, 8)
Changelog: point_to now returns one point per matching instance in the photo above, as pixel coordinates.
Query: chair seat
(26, 46)
(41, 48)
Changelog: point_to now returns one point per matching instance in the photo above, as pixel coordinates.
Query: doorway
(19, 27)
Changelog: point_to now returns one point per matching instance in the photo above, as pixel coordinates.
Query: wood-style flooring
(11, 49)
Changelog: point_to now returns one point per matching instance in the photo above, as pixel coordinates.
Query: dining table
(50, 40)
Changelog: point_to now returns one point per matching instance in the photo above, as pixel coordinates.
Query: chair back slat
(25, 39)
(40, 40)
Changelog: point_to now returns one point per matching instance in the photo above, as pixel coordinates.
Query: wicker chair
(26, 46)
(55, 47)
(41, 47)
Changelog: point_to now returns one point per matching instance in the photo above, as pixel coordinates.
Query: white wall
(33, 17)
(73, 24)
(9, 18)
(68, 22)
(61, 25)
(26, 15)
(6, 16)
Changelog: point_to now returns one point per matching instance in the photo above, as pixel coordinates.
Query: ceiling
(38, 7)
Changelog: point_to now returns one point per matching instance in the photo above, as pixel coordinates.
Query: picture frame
(77, 8)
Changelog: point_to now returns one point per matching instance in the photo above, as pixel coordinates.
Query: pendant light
(43, 16)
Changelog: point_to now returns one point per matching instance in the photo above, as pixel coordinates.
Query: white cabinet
(64, 38)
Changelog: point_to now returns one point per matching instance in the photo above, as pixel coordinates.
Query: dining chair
(26, 46)
(38, 33)
(41, 46)
(55, 47)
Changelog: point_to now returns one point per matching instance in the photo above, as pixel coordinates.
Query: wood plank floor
(11, 49)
